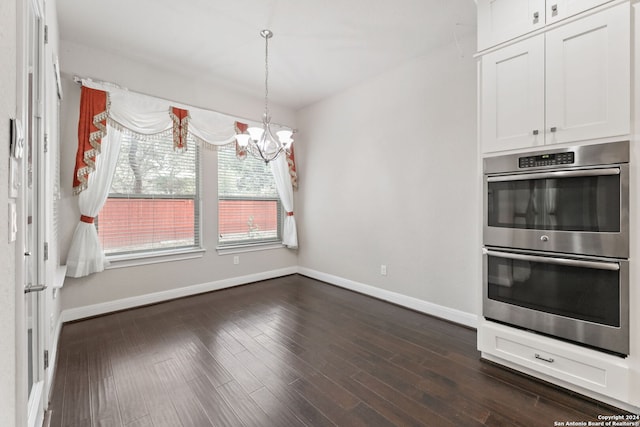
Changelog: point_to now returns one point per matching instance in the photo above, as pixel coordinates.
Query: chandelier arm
(276, 142)
(258, 154)
(262, 143)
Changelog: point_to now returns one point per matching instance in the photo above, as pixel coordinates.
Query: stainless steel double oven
(556, 243)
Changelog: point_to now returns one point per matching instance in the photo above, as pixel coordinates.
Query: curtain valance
(148, 116)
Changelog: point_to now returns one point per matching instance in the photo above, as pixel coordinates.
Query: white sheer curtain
(280, 171)
(86, 255)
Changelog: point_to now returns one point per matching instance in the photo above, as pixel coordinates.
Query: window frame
(247, 245)
(127, 258)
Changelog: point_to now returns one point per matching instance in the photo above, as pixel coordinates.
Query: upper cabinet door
(502, 20)
(588, 77)
(512, 96)
(561, 9)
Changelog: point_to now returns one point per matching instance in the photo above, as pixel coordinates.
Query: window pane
(153, 167)
(130, 224)
(153, 204)
(248, 204)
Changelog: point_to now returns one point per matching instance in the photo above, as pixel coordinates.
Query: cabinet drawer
(589, 369)
(546, 360)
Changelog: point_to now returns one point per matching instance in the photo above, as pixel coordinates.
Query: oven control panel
(547, 160)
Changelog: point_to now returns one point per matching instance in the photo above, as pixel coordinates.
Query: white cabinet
(569, 84)
(503, 20)
(513, 96)
(591, 370)
(588, 80)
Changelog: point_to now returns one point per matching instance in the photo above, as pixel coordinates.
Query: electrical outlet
(383, 270)
(236, 260)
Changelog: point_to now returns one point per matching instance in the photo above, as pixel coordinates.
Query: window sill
(121, 261)
(238, 249)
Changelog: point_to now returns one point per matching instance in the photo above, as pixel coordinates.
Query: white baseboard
(131, 302)
(412, 303)
(450, 314)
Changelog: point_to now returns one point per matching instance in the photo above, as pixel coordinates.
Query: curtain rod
(78, 80)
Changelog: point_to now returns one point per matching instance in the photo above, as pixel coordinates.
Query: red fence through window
(133, 224)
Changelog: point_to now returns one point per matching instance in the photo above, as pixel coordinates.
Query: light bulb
(255, 133)
(284, 135)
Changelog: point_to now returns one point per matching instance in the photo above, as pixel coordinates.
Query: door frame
(30, 405)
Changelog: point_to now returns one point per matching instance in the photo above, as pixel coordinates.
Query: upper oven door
(580, 211)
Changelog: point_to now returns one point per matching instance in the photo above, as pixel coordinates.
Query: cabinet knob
(535, 131)
(553, 129)
(554, 10)
(536, 15)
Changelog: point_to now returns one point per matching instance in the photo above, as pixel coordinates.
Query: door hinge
(46, 359)
(46, 251)
(46, 34)
(46, 142)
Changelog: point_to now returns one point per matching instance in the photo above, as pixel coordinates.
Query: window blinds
(153, 204)
(248, 205)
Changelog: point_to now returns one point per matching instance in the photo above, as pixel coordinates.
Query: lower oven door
(584, 300)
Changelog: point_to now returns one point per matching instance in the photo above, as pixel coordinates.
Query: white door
(513, 96)
(31, 226)
(588, 77)
(502, 20)
(561, 9)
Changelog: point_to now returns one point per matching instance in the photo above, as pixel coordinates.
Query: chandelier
(259, 141)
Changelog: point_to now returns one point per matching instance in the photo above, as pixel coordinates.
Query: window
(249, 209)
(153, 204)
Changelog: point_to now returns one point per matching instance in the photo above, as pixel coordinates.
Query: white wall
(7, 250)
(388, 175)
(121, 283)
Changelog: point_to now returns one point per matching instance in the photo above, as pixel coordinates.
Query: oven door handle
(613, 266)
(557, 174)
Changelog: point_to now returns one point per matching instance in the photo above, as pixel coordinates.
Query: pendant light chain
(266, 75)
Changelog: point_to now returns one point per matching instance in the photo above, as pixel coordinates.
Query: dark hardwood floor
(291, 352)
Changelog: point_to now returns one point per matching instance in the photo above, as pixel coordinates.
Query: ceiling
(319, 47)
